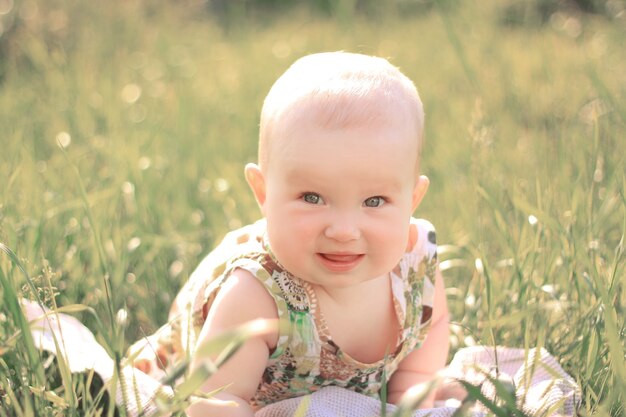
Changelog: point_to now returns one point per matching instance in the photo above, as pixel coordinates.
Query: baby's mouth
(340, 262)
(342, 258)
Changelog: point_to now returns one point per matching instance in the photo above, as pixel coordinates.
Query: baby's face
(338, 201)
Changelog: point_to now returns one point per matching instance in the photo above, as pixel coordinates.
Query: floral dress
(305, 358)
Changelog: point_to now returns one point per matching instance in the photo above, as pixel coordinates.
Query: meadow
(125, 126)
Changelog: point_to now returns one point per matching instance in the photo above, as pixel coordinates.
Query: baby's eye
(374, 201)
(312, 198)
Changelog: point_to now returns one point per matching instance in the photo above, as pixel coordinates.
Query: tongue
(340, 258)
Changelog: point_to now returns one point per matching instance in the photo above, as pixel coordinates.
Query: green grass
(158, 105)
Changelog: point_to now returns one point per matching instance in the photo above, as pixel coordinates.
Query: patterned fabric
(306, 358)
(543, 388)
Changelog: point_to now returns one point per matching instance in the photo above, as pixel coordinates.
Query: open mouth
(340, 262)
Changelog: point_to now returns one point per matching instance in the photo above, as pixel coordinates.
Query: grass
(155, 106)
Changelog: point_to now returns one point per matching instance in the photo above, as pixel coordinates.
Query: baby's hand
(149, 356)
(222, 405)
(451, 389)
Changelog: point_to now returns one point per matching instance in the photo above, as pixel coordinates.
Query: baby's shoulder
(422, 237)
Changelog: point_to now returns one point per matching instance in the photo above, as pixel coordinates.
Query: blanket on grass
(532, 379)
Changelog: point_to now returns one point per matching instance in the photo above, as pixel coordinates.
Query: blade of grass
(104, 267)
(115, 333)
(222, 347)
(414, 396)
(606, 93)
(474, 392)
(303, 407)
(459, 50)
(12, 303)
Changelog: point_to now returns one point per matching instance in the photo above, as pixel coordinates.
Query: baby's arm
(242, 298)
(422, 364)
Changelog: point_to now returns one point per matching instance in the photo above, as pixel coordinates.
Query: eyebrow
(295, 176)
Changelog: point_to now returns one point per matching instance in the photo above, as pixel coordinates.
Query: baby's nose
(343, 228)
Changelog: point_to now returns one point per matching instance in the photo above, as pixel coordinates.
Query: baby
(338, 259)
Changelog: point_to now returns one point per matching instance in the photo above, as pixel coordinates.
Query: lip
(340, 261)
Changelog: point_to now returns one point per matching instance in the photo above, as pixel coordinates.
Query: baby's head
(338, 90)
(338, 176)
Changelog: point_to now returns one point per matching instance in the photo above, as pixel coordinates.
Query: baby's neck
(354, 294)
(360, 319)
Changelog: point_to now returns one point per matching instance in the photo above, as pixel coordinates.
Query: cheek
(291, 234)
(393, 236)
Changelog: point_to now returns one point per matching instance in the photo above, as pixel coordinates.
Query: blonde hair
(339, 90)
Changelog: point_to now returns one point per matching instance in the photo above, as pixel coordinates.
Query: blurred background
(125, 126)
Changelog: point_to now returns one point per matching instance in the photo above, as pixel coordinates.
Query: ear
(421, 186)
(256, 181)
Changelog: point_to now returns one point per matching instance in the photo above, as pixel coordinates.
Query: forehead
(374, 152)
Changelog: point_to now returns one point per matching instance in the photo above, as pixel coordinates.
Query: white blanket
(541, 386)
